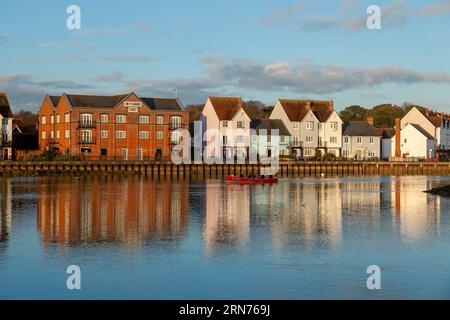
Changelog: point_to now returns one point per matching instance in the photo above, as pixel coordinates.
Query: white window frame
(67, 134)
(121, 118)
(159, 120)
(144, 135)
(144, 119)
(310, 125)
(159, 135)
(104, 118)
(44, 120)
(121, 134)
(104, 134)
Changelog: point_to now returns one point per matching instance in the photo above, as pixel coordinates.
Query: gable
(226, 108)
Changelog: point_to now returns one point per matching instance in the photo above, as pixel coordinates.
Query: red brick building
(121, 127)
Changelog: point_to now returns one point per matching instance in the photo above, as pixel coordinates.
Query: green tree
(28, 118)
(385, 114)
(195, 111)
(353, 113)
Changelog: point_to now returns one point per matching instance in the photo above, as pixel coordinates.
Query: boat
(251, 180)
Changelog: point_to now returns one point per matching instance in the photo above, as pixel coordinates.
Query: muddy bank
(441, 191)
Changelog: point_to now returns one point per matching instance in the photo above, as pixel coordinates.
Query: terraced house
(315, 126)
(119, 127)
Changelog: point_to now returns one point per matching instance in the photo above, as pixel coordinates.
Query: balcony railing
(87, 124)
(175, 126)
(86, 140)
(296, 144)
(176, 141)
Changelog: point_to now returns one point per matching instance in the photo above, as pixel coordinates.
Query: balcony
(296, 144)
(176, 126)
(87, 124)
(175, 142)
(87, 140)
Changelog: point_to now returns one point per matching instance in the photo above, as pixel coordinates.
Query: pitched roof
(422, 131)
(55, 100)
(163, 104)
(435, 118)
(226, 107)
(296, 110)
(91, 101)
(5, 107)
(359, 128)
(269, 125)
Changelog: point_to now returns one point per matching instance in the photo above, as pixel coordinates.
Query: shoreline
(286, 169)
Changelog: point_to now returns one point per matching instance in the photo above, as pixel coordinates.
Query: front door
(124, 154)
(158, 154)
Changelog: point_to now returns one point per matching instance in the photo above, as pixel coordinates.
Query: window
(103, 152)
(143, 135)
(121, 118)
(159, 120)
(67, 117)
(359, 140)
(240, 139)
(86, 136)
(104, 134)
(225, 140)
(334, 126)
(295, 125)
(372, 140)
(58, 118)
(52, 118)
(309, 125)
(143, 119)
(44, 120)
(52, 134)
(405, 141)
(282, 139)
(121, 134)
(104, 118)
(225, 124)
(140, 154)
(86, 119)
(309, 139)
(240, 124)
(124, 154)
(44, 135)
(175, 122)
(57, 134)
(176, 137)
(67, 134)
(159, 135)
(346, 140)
(333, 139)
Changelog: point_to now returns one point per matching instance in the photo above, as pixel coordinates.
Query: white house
(386, 135)
(315, 126)
(6, 128)
(270, 137)
(435, 124)
(227, 128)
(415, 142)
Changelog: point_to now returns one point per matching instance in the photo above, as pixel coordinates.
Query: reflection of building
(308, 210)
(5, 208)
(111, 209)
(227, 214)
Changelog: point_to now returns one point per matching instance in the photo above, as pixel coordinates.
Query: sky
(258, 49)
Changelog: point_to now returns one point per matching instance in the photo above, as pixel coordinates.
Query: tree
(195, 111)
(354, 113)
(254, 109)
(28, 118)
(385, 114)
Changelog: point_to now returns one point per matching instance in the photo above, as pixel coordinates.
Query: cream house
(6, 128)
(415, 142)
(226, 127)
(315, 126)
(436, 125)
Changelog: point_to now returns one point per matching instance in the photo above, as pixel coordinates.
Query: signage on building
(133, 106)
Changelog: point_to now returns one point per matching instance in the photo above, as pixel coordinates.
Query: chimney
(331, 104)
(398, 151)
(370, 120)
(240, 103)
(308, 104)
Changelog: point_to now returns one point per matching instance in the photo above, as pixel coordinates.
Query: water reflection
(5, 208)
(127, 210)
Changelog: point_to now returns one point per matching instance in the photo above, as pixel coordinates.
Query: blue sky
(261, 50)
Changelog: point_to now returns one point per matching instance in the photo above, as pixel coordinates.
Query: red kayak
(251, 180)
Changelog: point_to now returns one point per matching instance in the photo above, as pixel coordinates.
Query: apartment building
(6, 128)
(315, 126)
(227, 118)
(119, 127)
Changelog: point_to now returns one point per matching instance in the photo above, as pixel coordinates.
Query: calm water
(300, 239)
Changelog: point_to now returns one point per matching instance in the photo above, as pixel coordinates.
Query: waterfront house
(227, 125)
(25, 141)
(119, 127)
(315, 126)
(6, 126)
(361, 141)
(435, 124)
(415, 142)
(270, 137)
